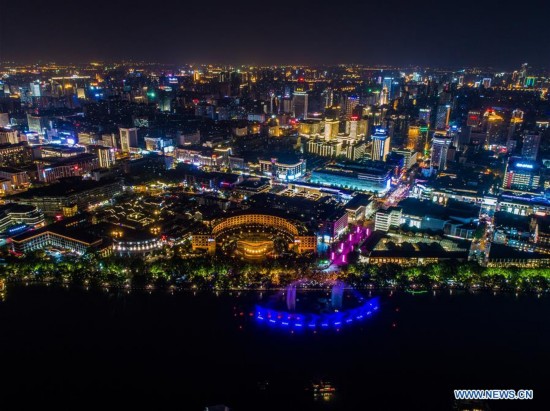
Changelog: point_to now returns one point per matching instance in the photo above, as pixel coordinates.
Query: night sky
(437, 33)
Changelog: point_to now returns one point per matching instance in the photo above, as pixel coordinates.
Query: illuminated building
(105, 155)
(351, 103)
(380, 145)
(356, 128)
(136, 243)
(56, 168)
(128, 139)
(413, 138)
(424, 115)
(18, 178)
(52, 198)
(4, 120)
(282, 169)
(309, 127)
(442, 117)
(300, 104)
(410, 157)
(370, 178)
(37, 123)
(56, 150)
(324, 148)
(251, 229)
(14, 154)
(386, 92)
(8, 136)
(19, 216)
(531, 143)
(474, 119)
(384, 219)
(358, 207)
(199, 156)
(486, 82)
(522, 175)
(440, 147)
(332, 127)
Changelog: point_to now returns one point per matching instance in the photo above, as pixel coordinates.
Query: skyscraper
(300, 104)
(474, 119)
(442, 117)
(331, 128)
(531, 143)
(380, 144)
(351, 103)
(128, 138)
(424, 115)
(440, 147)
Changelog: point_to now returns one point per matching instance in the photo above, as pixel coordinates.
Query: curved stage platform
(311, 313)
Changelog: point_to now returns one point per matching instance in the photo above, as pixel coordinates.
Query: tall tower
(424, 115)
(300, 104)
(331, 128)
(440, 147)
(443, 116)
(531, 143)
(380, 144)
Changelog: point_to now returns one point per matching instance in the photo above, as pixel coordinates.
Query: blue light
(312, 320)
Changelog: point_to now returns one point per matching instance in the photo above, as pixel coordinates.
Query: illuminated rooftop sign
(524, 165)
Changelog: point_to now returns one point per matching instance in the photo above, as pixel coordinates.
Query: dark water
(75, 349)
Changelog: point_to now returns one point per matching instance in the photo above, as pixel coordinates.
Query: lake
(71, 348)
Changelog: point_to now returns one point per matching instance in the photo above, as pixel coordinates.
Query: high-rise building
(424, 115)
(351, 103)
(36, 123)
(474, 119)
(331, 128)
(106, 156)
(413, 137)
(440, 147)
(486, 82)
(521, 175)
(8, 136)
(35, 89)
(442, 117)
(380, 144)
(4, 119)
(300, 104)
(128, 139)
(531, 143)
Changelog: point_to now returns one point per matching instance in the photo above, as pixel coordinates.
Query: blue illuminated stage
(305, 311)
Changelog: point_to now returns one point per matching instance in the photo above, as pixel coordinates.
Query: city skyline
(393, 33)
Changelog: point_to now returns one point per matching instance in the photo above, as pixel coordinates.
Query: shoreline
(176, 288)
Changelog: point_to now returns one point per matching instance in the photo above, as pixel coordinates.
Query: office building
(440, 147)
(522, 175)
(442, 117)
(8, 136)
(128, 139)
(300, 104)
(531, 143)
(380, 145)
